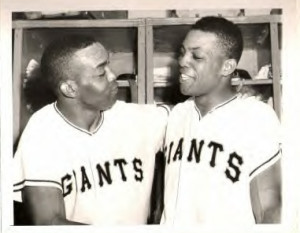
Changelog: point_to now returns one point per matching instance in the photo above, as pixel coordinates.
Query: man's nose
(109, 74)
(183, 60)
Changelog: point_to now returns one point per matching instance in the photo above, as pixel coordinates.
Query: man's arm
(265, 190)
(46, 206)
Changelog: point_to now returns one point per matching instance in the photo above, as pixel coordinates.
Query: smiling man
(87, 158)
(222, 151)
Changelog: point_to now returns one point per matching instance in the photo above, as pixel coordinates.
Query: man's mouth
(114, 88)
(184, 77)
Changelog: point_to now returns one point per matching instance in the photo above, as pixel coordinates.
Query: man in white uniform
(222, 151)
(87, 158)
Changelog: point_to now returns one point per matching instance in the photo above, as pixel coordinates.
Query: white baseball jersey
(105, 176)
(211, 160)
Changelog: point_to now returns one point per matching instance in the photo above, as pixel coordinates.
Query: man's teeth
(185, 77)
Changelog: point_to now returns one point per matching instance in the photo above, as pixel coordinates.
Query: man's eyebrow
(102, 64)
(189, 48)
(195, 48)
(201, 50)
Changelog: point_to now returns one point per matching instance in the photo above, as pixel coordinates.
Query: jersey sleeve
(34, 163)
(264, 145)
(157, 122)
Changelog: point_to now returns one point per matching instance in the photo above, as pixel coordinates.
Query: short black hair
(54, 61)
(229, 35)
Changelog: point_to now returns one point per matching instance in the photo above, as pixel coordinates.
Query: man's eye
(102, 75)
(197, 57)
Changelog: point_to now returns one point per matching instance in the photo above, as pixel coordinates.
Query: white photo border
(290, 106)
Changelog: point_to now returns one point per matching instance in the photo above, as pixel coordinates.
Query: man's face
(200, 62)
(96, 84)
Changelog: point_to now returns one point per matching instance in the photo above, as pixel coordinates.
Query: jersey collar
(217, 106)
(77, 127)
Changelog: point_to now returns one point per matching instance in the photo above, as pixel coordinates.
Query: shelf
(254, 82)
(26, 24)
(238, 20)
(163, 84)
(234, 83)
(122, 83)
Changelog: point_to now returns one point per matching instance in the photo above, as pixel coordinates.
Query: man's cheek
(100, 87)
(96, 89)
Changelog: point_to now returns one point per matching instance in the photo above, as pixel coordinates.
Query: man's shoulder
(121, 107)
(139, 115)
(39, 128)
(255, 106)
(256, 112)
(43, 116)
(183, 106)
(45, 110)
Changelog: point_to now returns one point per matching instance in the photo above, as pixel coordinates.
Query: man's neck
(83, 118)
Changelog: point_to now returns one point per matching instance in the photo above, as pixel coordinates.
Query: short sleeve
(157, 122)
(264, 146)
(34, 163)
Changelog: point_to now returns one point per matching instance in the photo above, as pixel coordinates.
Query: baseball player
(87, 158)
(222, 151)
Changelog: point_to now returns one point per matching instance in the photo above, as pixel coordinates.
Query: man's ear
(68, 88)
(229, 67)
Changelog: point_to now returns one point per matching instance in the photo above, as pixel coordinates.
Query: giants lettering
(178, 151)
(216, 147)
(66, 185)
(196, 149)
(137, 165)
(193, 150)
(85, 180)
(239, 159)
(104, 175)
(120, 163)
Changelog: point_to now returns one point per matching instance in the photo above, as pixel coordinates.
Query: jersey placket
(193, 124)
(95, 142)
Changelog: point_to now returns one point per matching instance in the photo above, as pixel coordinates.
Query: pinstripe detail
(270, 159)
(198, 111)
(166, 108)
(17, 190)
(42, 181)
(214, 108)
(76, 127)
(224, 103)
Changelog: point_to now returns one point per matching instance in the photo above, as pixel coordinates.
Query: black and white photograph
(140, 118)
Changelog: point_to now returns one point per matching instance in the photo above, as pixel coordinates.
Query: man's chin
(109, 105)
(184, 90)
(112, 103)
